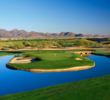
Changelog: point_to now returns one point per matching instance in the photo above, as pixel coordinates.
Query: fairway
(52, 60)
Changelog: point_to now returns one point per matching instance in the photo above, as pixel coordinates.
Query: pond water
(14, 81)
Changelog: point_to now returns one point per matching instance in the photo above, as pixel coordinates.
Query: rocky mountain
(22, 34)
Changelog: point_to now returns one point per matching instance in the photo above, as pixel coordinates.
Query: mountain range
(22, 34)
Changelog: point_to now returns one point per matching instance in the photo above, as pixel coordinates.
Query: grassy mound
(91, 89)
(53, 60)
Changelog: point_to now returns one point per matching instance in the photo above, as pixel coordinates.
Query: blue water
(14, 81)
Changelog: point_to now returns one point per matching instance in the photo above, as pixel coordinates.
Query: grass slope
(91, 89)
(53, 60)
(102, 52)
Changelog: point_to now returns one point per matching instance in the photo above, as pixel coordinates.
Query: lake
(14, 81)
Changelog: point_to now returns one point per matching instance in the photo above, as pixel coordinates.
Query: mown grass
(53, 60)
(4, 53)
(102, 52)
(91, 89)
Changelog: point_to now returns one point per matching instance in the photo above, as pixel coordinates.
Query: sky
(79, 16)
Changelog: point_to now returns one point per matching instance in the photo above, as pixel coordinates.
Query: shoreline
(77, 68)
(60, 70)
(101, 54)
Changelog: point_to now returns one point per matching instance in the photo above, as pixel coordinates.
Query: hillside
(46, 43)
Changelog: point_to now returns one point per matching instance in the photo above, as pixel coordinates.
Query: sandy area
(78, 59)
(20, 60)
(77, 68)
(66, 48)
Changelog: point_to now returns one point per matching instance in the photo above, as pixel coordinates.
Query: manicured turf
(53, 60)
(102, 52)
(91, 89)
(4, 53)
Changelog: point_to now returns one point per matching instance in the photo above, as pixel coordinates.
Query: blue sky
(80, 16)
